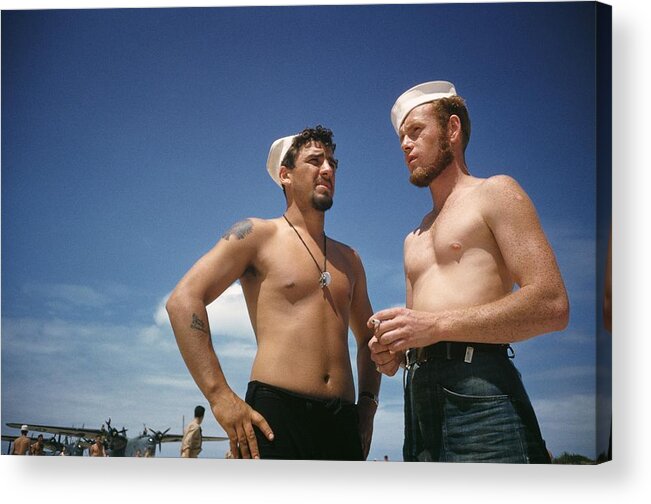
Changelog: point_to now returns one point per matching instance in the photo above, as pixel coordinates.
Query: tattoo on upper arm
(198, 324)
(239, 229)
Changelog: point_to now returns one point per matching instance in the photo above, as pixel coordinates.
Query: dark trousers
(304, 428)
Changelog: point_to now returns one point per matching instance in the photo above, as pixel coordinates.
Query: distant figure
(22, 443)
(386, 458)
(97, 448)
(138, 453)
(64, 452)
(191, 444)
(37, 448)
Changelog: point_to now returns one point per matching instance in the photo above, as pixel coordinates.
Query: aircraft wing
(64, 431)
(177, 438)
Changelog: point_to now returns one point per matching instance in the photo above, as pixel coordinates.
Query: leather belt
(447, 350)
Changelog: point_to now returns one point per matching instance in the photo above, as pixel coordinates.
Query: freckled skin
(452, 259)
(462, 262)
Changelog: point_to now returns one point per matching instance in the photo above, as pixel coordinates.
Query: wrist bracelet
(371, 396)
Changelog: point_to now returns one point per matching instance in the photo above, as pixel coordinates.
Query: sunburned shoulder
(252, 227)
(502, 195)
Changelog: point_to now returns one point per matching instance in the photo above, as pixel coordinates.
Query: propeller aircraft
(116, 442)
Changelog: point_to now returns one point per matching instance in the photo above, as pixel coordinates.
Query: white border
(623, 480)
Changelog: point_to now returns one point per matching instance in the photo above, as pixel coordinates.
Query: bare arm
(368, 377)
(205, 281)
(540, 305)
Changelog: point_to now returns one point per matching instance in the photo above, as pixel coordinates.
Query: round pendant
(325, 279)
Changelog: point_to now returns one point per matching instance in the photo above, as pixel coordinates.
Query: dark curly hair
(317, 134)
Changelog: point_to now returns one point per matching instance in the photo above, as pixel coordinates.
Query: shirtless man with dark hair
(464, 399)
(303, 291)
(37, 448)
(97, 448)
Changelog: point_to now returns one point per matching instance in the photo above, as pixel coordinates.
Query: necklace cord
(325, 241)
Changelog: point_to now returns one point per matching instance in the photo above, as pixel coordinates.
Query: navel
(326, 378)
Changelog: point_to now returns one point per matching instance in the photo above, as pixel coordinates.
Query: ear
(454, 128)
(283, 175)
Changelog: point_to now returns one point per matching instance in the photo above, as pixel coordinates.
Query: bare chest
(449, 239)
(295, 272)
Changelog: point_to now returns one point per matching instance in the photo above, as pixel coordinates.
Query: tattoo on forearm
(239, 229)
(198, 324)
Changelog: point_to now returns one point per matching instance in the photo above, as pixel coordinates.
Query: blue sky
(132, 139)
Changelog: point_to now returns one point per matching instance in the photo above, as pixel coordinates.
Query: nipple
(456, 246)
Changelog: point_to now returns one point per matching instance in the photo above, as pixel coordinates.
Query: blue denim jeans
(470, 412)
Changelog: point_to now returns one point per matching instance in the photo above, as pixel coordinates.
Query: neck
(312, 220)
(445, 184)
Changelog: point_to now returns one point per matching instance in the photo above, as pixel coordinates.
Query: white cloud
(235, 350)
(160, 336)
(70, 294)
(229, 316)
(179, 381)
(45, 336)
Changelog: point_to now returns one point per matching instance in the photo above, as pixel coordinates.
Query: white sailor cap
(24, 428)
(276, 155)
(422, 93)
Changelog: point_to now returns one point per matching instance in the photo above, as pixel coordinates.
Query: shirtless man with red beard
(303, 290)
(464, 399)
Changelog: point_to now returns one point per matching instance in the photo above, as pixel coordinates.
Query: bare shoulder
(349, 255)
(502, 194)
(410, 238)
(251, 228)
(350, 260)
(502, 186)
(346, 251)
